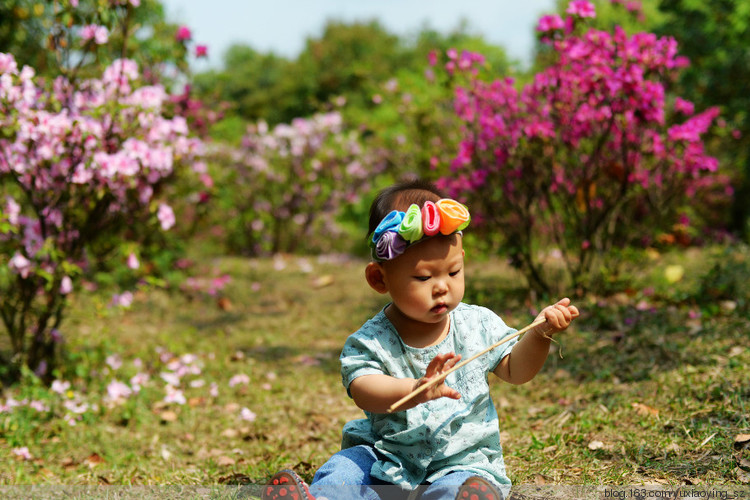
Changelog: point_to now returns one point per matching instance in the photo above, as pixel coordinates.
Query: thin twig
(442, 376)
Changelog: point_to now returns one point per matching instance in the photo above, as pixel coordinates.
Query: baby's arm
(529, 354)
(376, 393)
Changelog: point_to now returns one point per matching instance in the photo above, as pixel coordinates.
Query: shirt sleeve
(357, 359)
(494, 329)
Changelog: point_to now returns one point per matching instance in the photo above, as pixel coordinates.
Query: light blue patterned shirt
(428, 441)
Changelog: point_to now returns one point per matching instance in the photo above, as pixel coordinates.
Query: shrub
(83, 167)
(592, 155)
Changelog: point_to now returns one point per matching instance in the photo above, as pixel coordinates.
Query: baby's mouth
(440, 308)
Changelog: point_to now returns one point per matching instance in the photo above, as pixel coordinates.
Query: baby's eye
(454, 273)
(421, 278)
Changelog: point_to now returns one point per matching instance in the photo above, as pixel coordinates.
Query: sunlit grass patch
(234, 385)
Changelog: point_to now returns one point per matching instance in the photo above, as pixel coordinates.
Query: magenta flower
(432, 57)
(581, 8)
(201, 51)
(683, 106)
(550, 23)
(183, 34)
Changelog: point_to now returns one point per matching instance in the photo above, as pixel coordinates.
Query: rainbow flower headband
(399, 230)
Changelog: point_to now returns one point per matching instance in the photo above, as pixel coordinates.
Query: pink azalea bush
(592, 154)
(291, 182)
(83, 168)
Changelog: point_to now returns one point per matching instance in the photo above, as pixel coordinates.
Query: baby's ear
(374, 275)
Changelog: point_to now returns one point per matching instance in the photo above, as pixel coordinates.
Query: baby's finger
(563, 302)
(567, 317)
(552, 315)
(451, 393)
(450, 363)
(434, 367)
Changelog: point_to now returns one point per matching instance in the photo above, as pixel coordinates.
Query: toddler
(445, 442)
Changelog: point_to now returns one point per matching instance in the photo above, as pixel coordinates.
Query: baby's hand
(558, 316)
(439, 365)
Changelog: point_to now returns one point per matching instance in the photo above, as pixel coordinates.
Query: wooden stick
(437, 380)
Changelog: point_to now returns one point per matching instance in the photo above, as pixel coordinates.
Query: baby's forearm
(526, 359)
(376, 393)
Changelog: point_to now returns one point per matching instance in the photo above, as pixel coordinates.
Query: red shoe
(286, 485)
(478, 488)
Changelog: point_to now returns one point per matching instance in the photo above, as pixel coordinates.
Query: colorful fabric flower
(453, 216)
(411, 226)
(430, 219)
(389, 246)
(390, 222)
(398, 230)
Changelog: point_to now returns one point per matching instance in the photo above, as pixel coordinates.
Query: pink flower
(682, 106)
(166, 216)
(99, 34)
(170, 378)
(550, 23)
(21, 265)
(66, 285)
(174, 396)
(247, 414)
(114, 361)
(60, 386)
(12, 210)
(240, 378)
(432, 58)
(581, 8)
(117, 390)
(133, 261)
(39, 406)
(183, 34)
(23, 453)
(201, 51)
(138, 380)
(124, 299)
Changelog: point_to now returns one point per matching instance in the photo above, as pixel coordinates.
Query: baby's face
(427, 281)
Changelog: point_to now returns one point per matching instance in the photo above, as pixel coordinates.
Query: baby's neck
(417, 333)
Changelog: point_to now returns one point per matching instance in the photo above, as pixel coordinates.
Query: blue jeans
(346, 476)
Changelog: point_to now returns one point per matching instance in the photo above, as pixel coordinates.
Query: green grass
(638, 392)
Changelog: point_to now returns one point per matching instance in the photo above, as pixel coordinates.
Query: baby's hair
(399, 197)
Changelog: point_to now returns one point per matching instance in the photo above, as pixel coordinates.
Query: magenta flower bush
(592, 154)
(83, 169)
(290, 183)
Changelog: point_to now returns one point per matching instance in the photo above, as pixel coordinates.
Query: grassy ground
(647, 388)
